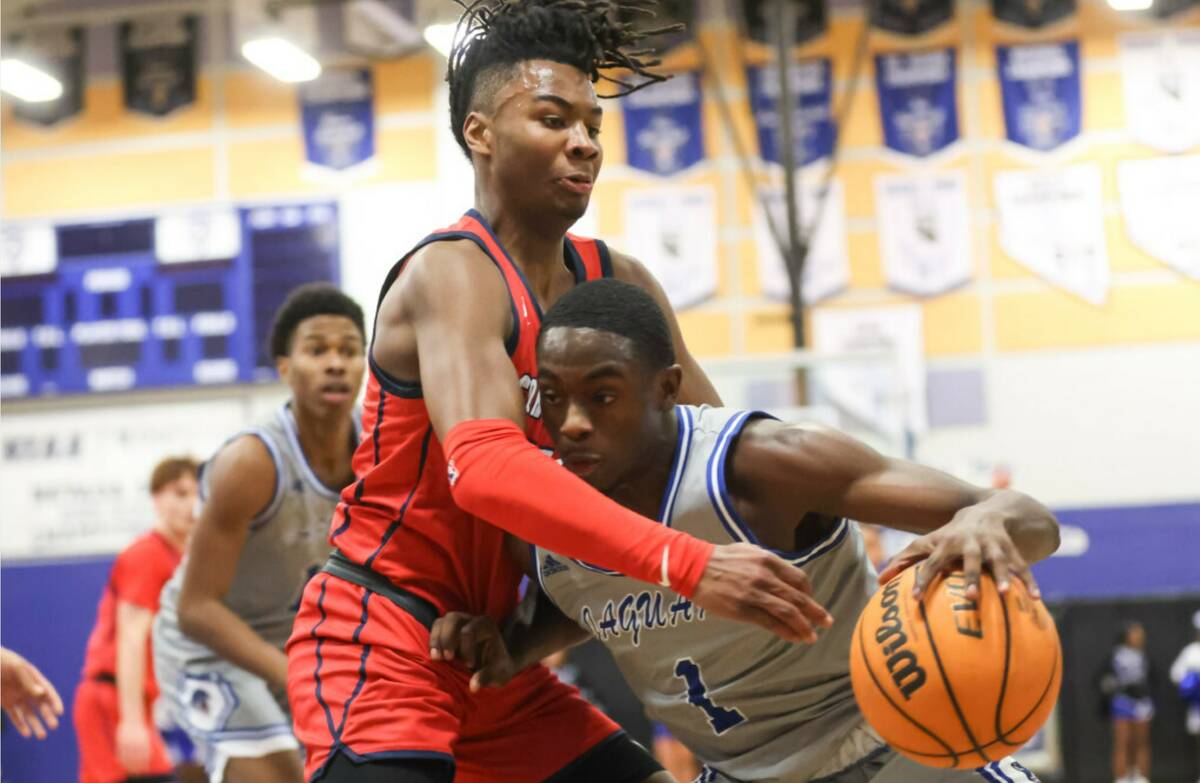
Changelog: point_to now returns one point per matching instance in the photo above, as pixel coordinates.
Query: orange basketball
(952, 682)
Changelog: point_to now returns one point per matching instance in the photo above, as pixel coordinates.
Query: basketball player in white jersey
(750, 706)
(268, 495)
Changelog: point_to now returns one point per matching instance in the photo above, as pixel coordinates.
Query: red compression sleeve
(499, 476)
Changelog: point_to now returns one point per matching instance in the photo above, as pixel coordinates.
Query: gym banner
(673, 231)
(910, 17)
(1158, 204)
(812, 19)
(918, 100)
(812, 117)
(338, 114)
(924, 230)
(663, 129)
(158, 63)
(1052, 223)
(1040, 90)
(60, 52)
(827, 267)
(1160, 76)
(1032, 13)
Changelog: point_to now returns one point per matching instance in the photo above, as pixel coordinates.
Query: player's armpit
(697, 389)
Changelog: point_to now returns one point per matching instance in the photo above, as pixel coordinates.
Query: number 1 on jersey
(721, 719)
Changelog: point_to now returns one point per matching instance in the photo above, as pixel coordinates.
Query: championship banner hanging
(673, 231)
(910, 17)
(338, 116)
(1158, 203)
(1032, 13)
(663, 128)
(812, 122)
(158, 63)
(812, 19)
(1040, 89)
(918, 100)
(59, 52)
(1052, 222)
(1160, 74)
(827, 267)
(924, 230)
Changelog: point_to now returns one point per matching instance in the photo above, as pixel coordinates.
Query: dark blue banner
(910, 17)
(338, 114)
(811, 82)
(1040, 89)
(812, 19)
(59, 52)
(663, 129)
(158, 63)
(1033, 13)
(918, 100)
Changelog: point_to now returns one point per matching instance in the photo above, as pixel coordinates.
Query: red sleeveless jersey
(398, 517)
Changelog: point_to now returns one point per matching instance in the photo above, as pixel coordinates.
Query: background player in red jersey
(450, 408)
(113, 703)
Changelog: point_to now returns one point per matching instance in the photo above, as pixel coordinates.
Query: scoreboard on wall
(173, 300)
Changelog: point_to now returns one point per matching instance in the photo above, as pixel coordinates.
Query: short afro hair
(617, 308)
(494, 35)
(306, 301)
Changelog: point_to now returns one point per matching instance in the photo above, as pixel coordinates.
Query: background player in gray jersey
(750, 707)
(268, 495)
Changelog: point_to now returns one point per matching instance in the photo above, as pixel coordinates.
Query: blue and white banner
(812, 117)
(158, 63)
(918, 100)
(61, 53)
(1032, 13)
(663, 130)
(1040, 89)
(338, 115)
(1160, 77)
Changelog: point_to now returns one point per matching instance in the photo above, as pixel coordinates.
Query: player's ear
(477, 131)
(669, 381)
(283, 366)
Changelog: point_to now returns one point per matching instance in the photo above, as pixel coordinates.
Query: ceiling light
(1130, 5)
(441, 37)
(22, 80)
(282, 59)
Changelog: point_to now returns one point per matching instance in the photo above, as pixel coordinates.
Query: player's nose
(576, 425)
(580, 144)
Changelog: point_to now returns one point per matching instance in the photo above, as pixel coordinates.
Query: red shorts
(96, 714)
(360, 680)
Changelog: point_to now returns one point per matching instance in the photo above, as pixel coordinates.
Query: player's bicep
(241, 484)
(461, 319)
(697, 389)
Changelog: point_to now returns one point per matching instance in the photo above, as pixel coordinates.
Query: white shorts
(891, 767)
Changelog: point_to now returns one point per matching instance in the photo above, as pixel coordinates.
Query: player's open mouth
(335, 394)
(581, 464)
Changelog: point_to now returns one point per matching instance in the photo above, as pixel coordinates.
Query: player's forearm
(499, 476)
(547, 632)
(211, 623)
(132, 633)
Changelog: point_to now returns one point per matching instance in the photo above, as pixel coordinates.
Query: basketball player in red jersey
(446, 465)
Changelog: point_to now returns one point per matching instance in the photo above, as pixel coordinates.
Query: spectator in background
(1127, 686)
(27, 696)
(1185, 673)
(873, 544)
(114, 703)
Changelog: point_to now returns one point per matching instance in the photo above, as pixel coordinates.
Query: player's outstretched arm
(133, 742)
(451, 307)
(696, 389)
(241, 485)
(781, 471)
(27, 696)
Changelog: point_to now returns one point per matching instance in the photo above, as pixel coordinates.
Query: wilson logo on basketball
(902, 664)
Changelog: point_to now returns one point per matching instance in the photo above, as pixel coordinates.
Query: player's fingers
(1019, 567)
(17, 716)
(796, 589)
(473, 641)
(790, 616)
(790, 574)
(928, 570)
(996, 560)
(49, 717)
(51, 694)
(33, 723)
(443, 636)
(972, 557)
(773, 621)
(905, 559)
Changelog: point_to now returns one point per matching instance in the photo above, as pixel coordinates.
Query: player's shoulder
(150, 547)
(447, 273)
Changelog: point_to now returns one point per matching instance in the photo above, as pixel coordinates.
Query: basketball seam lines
(949, 688)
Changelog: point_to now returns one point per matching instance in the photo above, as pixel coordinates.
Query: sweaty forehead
(581, 346)
(530, 78)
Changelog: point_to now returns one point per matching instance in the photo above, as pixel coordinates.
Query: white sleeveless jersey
(288, 542)
(749, 705)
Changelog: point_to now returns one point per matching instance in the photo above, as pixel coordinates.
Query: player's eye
(594, 131)
(553, 121)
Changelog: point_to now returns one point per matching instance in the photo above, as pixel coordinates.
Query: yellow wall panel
(1103, 101)
(612, 134)
(252, 98)
(407, 84)
(768, 330)
(706, 333)
(1054, 319)
(749, 279)
(858, 183)
(953, 324)
(863, 127)
(107, 182)
(407, 153)
(105, 118)
(866, 262)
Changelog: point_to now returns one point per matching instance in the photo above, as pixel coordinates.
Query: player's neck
(326, 443)
(535, 246)
(646, 484)
(177, 541)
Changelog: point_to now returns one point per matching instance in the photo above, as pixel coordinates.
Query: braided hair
(494, 35)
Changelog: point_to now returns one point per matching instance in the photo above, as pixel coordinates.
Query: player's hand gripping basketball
(977, 538)
(747, 583)
(478, 643)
